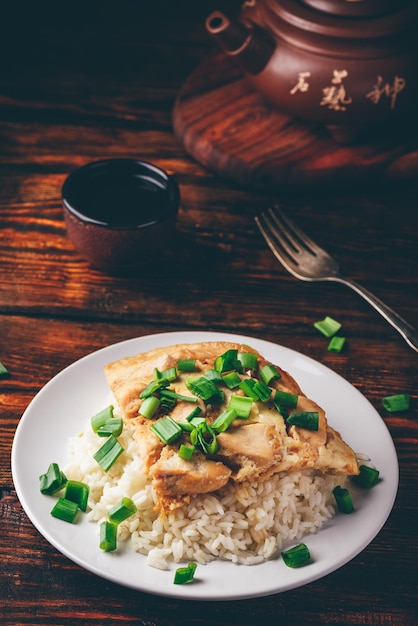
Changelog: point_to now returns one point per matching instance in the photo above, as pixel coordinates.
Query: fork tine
(294, 234)
(275, 241)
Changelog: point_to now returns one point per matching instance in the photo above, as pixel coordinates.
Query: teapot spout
(250, 45)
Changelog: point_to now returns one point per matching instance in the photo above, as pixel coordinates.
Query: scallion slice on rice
(108, 535)
(122, 510)
(343, 499)
(101, 417)
(108, 453)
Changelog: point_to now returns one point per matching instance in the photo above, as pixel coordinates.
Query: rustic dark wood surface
(94, 80)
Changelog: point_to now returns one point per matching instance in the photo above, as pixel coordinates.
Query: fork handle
(407, 331)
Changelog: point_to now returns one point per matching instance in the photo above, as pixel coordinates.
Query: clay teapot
(344, 63)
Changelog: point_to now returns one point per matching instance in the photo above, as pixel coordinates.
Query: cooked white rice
(244, 523)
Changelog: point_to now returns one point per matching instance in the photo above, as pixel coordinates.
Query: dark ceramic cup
(120, 213)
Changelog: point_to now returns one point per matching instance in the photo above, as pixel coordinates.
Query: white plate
(63, 407)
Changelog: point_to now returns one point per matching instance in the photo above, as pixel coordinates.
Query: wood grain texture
(229, 127)
(104, 82)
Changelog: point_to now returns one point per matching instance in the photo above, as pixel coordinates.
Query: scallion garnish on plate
(65, 510)
(296, 556)
(367, 478)
(108, 535)
(53, 480)
(77, 492)
(185, 575)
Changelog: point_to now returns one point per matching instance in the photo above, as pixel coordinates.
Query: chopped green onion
(195, 413)
(262, 390)
(228, 361)
(169, 374)
(153, 387)
(100, 418)
(367, 478)
(104, 423)
(247, 386)
(206, 437)
(167, 404)
(241, 404)
(65, 510)
(281, 409)
(77, 492)
(231, 380)
(186, 365)
(112, 426)
(4, 372)
(224, 420)
(193, 436)
(205, 389)
(121, 511)
(186, 452)
(296, 556)
(343, 499)
(249, 360)
(213, 375)
(53, 480)
(305, 419)
(108, 453)
(268, 373)
(166, 429)
(185, 575)
(287, 399)
(186, 426)
(397, 402)
(328, 326)
(149, 407)
(108, 534)
(196, 421)
(336, 344)
(168, 393)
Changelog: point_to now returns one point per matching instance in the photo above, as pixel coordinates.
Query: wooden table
(95, 80)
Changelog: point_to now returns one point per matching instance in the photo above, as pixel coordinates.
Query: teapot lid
(356, 8)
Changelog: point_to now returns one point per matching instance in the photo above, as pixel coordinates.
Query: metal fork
(303, 258)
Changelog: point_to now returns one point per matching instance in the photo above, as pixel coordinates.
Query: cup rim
(128, 166)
